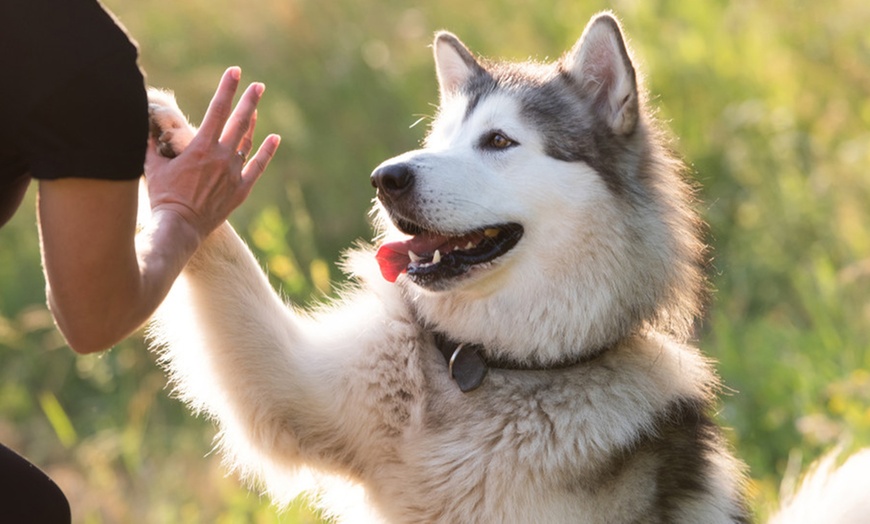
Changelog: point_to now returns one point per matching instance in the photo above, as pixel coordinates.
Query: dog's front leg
(237, 352)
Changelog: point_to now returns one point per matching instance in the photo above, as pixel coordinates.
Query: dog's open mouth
(430, 257)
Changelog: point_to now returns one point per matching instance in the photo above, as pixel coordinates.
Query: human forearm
(163, 248)
(101, 285)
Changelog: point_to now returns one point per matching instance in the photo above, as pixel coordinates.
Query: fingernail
(236, 72)
(259, 88)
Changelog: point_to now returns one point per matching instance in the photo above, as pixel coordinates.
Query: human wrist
(172, 228)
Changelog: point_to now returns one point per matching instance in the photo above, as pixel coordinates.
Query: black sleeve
(73, 98)
(95, 126)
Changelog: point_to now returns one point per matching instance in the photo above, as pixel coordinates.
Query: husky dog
(514, 349)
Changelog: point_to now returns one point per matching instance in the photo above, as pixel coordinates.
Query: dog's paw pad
(168, 126)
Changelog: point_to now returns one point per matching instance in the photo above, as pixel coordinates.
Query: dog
(514, 348)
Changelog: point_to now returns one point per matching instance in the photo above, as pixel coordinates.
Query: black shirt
(72, 98)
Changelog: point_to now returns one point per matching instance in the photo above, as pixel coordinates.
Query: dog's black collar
(468, 367)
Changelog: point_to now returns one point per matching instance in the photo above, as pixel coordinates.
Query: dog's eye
(500, 141)
(497, 140)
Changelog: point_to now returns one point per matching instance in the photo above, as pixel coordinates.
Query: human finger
(221, 104)
(258, 163)
(240, 122)
(247, 142)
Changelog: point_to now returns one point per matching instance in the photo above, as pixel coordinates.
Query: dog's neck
(468, 363)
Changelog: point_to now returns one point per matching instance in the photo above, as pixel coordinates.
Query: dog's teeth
(413, 256)
(491, 232)
(470, 245)
(436, 257)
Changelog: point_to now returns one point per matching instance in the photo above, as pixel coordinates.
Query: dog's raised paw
(168, 125)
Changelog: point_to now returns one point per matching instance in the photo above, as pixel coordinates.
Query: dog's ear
(454, 63)
(601, 64)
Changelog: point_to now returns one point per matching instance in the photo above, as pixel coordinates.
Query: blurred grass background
(771, 104)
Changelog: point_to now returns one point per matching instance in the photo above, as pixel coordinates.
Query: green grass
(768, 99)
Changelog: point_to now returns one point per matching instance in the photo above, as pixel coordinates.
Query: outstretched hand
(213, 175)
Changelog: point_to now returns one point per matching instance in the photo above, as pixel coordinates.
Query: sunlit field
(770, 106)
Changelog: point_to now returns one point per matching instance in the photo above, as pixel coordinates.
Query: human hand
(212, 176)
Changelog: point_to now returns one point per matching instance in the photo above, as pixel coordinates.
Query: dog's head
(542, 201)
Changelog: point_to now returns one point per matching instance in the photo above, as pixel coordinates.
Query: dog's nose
(393, 180)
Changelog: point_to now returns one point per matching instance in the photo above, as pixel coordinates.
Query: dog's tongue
(393, 257)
